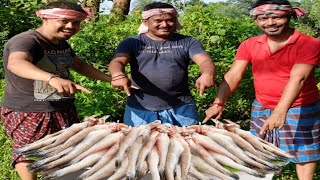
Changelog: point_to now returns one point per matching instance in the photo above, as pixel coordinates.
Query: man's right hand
(122, 83)
(65, 86)
(215, 112)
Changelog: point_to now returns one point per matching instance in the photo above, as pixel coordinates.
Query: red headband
(57, 13)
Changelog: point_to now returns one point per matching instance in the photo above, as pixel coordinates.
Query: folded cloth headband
(57, 13)
(277, 9)
(153, 12)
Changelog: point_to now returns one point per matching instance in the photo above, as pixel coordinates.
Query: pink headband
(153, 12)
(277, 9)
(57, 13)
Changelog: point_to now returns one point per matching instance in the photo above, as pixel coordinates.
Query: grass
(6, 170)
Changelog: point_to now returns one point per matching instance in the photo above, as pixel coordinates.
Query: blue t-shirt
(160, 70)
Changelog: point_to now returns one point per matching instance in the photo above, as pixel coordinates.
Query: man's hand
(275, 121)
(122, 82)
(214, 112)
(205, 81)
(65, 86)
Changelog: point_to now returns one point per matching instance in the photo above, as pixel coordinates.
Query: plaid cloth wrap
(300, 134)
(27, 127)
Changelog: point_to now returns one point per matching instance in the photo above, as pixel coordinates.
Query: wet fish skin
(134, 152)
(33, 147)
(206, 156)
(153, 161)
(274, 149)
(185, 158)
(212, 145)
(226, 161)
(174, 152)
(91, 139)
(84, 163)
(228, 143)
(146, 149)
(127, 142)
(120, 172)
(34, 166)
(204, 167)
(106, 158)
(104, 172)
(162, 145)
(105, 143)
(269, 164)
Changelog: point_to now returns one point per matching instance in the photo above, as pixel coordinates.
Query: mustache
(273, 26)
(68, 29)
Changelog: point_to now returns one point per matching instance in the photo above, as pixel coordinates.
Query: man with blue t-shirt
(159, 59)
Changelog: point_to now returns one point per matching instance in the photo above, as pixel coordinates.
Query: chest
(273, 57)
(275, 46)
(159, 54)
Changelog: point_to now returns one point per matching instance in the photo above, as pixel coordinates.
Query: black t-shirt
(37, 96)
(160, 70)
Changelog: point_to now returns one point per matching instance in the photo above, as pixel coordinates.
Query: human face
(161, 26)
(273, 24)
(62, 29)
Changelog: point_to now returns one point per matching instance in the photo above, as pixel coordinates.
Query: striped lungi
(299, 135)
(27, 127)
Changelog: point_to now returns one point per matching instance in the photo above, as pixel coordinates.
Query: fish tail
(41, 168)
(259, 174)
(234, 176)
(33, 166)
(139, 173)
(130, 177)
(82, 176)
(118, 163)
(32, 153)
(50, 176)
(46, 155)
(162, 175)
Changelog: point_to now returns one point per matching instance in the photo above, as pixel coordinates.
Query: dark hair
(156, 5)
(262, 2)
(279, 2)
(64, 5)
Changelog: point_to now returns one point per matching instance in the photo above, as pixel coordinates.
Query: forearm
(91, 72)
(116, 68)
(26, 69)
(289, 95)
(227, 87)
(299, 74)
(207, 67)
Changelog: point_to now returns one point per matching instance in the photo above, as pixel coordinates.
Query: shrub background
(219, 26)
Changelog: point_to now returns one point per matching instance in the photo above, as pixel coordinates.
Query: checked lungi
(27, 127)
(299, 135)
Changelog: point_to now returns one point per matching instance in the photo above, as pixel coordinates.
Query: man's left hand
(275, 121)
(205, 81)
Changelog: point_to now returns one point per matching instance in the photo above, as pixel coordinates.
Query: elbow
(11, 67)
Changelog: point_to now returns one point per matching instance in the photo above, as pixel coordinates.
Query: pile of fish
(110, 150)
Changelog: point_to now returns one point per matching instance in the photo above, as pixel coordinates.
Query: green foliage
(103, 100)
(221, 27)
(311, 23)
(220, 35)
(16, 16)
(97, 42)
